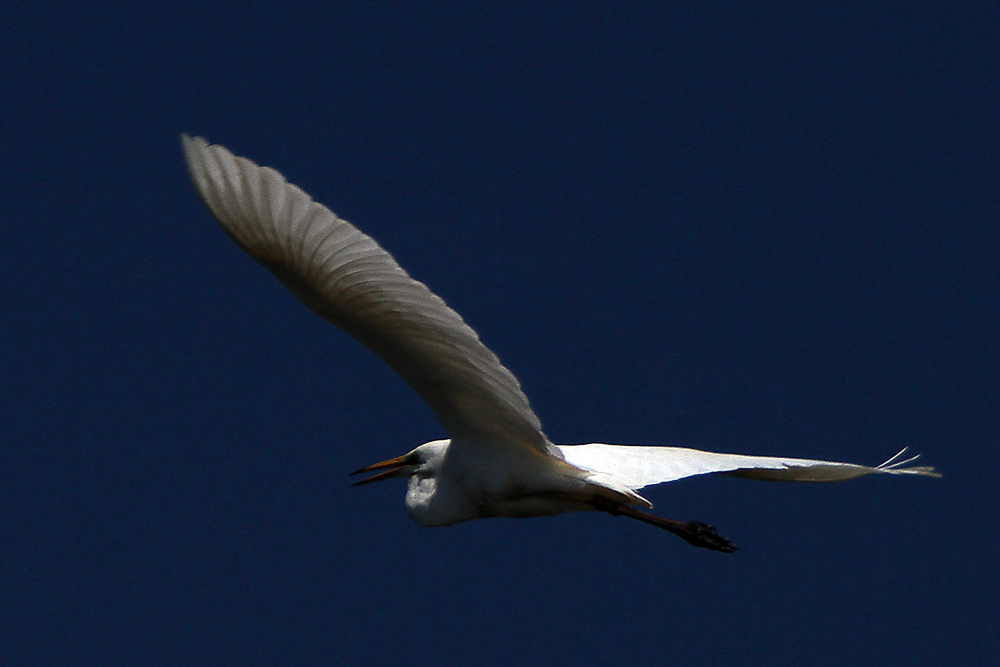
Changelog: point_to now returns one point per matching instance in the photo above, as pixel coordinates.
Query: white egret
(498, 461)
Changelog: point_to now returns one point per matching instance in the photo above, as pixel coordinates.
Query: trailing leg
(695, 533)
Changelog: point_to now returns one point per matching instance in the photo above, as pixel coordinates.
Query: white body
(518, 482)
(498, 462)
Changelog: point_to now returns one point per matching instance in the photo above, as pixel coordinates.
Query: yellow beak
(397, 469)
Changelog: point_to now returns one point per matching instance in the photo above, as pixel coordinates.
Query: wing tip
(894, 466)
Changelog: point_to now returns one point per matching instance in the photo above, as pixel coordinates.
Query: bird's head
(422, 461)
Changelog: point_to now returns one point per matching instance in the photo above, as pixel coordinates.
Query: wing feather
(639, 466)
(344, 276)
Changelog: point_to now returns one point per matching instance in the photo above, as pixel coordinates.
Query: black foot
(700, 534)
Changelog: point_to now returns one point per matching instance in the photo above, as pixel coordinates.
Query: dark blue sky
(758, 230)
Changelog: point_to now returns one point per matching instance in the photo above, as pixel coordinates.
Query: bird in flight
(498, 462)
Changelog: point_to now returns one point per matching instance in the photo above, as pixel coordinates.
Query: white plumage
(498, 461)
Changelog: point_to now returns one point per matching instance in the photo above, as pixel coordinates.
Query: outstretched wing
(639, 466)
(347, 278)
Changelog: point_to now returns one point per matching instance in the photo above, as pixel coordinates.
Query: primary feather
(344, 276)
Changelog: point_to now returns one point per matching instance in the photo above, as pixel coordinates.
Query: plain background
(748, 228)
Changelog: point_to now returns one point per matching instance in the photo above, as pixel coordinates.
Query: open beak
(397, 467)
